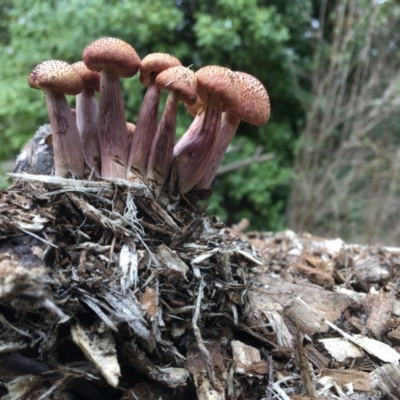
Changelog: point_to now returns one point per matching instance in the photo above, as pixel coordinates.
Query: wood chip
(387, 379)
(379, 306)
(100, 349)
(341, 349)
(359, 379)
(247, 359)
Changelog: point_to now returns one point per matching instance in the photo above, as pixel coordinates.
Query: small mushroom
(181, 84)
(253, 108)
(57, 78)
(115, 59)
(131, 127)
(146, 125)
(217, 87)
(87, 111)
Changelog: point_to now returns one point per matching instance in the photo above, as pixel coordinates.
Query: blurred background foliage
(285, 44)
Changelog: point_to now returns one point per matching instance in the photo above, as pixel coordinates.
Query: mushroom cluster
(96, 140)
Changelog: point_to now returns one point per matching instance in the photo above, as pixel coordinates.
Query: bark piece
(302, 300)
(199, 364)
(379, 306)
(315, 357)
(149, 302)
(172, 266)
(369, 270)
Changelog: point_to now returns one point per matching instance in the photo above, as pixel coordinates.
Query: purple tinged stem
(162, 149)
(229, 125)
(192, 159)
(191, 132)
(68, 152)
(87, 111)
(113, 134)
(145, 131)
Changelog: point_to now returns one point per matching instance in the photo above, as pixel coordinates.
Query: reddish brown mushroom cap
(56, 75)
(90, 78)
(181, 80)
(112, 54)
(254, 106)
(220, 81)
(155, 63)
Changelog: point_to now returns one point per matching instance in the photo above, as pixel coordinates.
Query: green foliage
(263, 39)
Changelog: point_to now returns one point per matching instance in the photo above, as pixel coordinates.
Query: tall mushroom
(57, 78)
(87, 111)
(146, 125)
(217, 87)
(181, 84)
(253, 108)
(115, 59)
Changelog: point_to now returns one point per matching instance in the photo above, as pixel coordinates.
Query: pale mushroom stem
(193, 158)
(191, 132)
(87, 111)
(68, 153)
(145, 131)
(229, 125)
(162, 149)
(113, 134)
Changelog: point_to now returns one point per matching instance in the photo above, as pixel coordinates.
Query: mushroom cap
(90, 78)
(56, 75)
(155, 63)
(131, 127)
(254, 106)
(113, 55)
(219, 81)
(179, 79)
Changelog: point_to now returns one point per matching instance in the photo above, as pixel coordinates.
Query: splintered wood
(342, 301)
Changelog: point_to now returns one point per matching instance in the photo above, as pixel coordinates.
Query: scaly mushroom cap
(56, 75)
(130, 128)
(179, 79)
(155, 63)
(254, 106)
(112, 54)
(90, 78)
(220, 81)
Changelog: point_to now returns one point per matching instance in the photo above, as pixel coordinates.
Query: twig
(197, 333)
(270, 377)
(257, 157)
(37, 237)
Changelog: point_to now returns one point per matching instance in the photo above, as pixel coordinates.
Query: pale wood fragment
(379, 306)
(359, 379)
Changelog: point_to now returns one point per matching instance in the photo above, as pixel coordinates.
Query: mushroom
(146, 125)
(217, 87)
(254, 108)
(115, 59)
(57, 78)
(131, 127)
(181, 84)
(87, 111)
